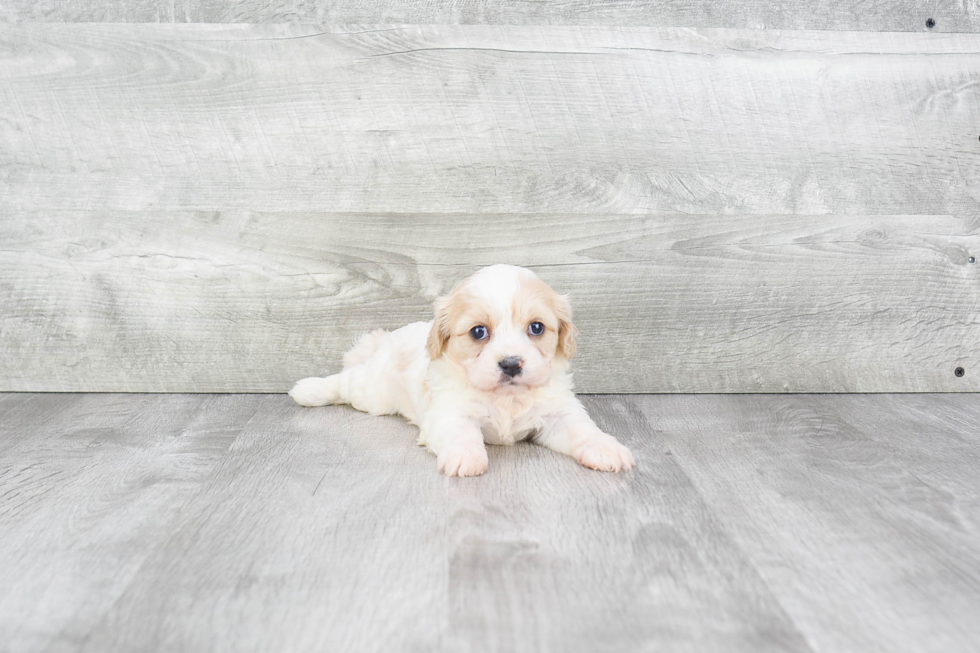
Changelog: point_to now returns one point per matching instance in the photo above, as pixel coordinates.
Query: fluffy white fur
(441, 378)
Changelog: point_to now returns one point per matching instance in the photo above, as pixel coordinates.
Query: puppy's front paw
(463, 459)
(605, 453)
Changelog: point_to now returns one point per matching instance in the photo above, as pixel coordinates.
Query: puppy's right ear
(439, 334)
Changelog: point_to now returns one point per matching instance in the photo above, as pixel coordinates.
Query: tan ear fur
(438, 338)
(566, 329)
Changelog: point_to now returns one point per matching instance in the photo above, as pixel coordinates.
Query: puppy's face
(505, 328)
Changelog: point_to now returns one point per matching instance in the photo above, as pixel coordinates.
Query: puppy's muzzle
(511, 366)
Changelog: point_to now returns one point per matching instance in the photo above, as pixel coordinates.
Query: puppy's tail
(364, 348)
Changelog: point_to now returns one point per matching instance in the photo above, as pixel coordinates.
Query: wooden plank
(320, 530)
(859, 514)
(148, 528)
(286, 517)
(25, 413)
(882, 15)
(233, 302)
(545, 558)
(87, 495)
(475, 119)
(246, 523)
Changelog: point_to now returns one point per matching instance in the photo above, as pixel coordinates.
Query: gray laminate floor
(246, 523)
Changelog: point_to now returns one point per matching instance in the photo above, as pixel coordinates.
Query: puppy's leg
(341, 388)
(364, 387)
(572, 432)
(316, 391)
(457, 443)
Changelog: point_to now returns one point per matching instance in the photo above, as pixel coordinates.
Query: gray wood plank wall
(878, 15)
(208, 207)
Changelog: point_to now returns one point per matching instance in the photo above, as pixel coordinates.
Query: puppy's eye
(535, 328)
(479, 332)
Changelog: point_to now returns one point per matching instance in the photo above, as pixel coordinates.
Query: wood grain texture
(82, 494)
(324, 515)
(245, 523)
(851, 496)
(229, 503)
(564, 561)
(881, 15)
(231, 302)
(488, 119)
(224, 207)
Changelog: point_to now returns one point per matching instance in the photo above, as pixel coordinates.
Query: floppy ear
(435, 344)
(566, 329)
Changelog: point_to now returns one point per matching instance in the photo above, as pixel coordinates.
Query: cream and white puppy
(493, 366)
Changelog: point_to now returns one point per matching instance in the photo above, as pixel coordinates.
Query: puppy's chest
(509, 422)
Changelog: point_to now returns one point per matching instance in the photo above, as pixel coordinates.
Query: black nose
(511, 365)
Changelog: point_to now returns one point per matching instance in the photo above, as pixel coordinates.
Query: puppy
(492, 367)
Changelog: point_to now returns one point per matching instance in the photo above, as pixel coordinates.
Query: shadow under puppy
(493, 366)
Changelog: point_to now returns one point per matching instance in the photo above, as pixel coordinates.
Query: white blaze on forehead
(497, 285)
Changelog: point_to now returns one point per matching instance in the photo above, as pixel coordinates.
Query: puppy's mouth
(512, 382)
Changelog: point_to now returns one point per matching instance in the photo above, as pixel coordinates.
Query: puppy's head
(504, 327)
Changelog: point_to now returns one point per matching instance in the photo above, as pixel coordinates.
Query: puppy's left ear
(566, 329)
(439, 334)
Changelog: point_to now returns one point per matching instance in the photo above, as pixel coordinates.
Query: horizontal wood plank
(236, 302)
(224, 207)
(488, 119)
(882, 15)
